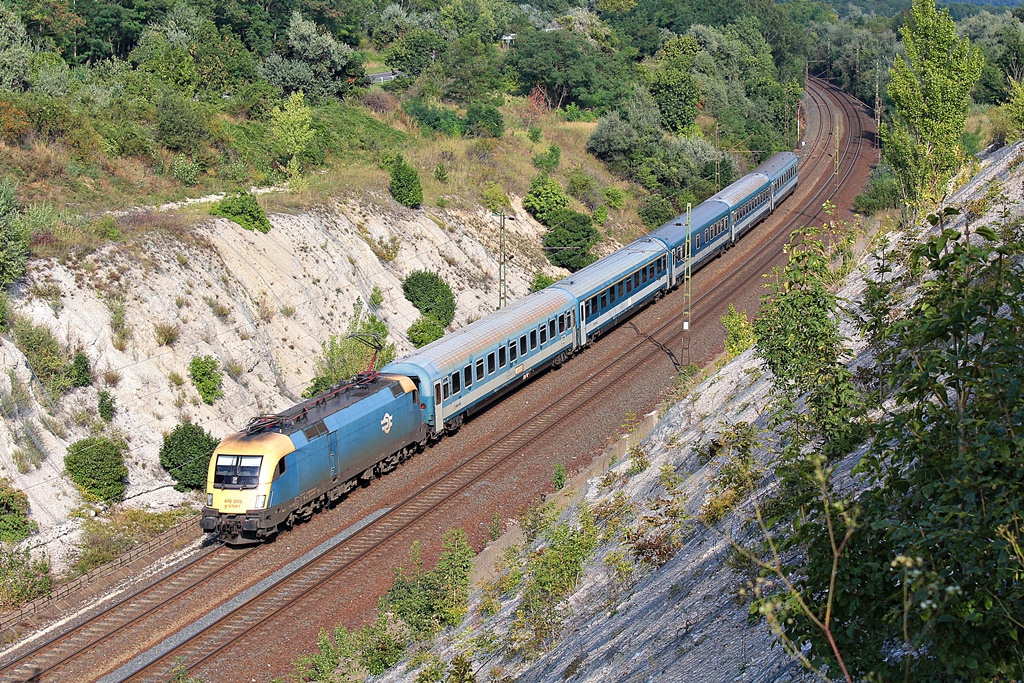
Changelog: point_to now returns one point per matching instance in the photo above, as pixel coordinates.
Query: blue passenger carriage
(463, 371)
(616, 286)
(710, 234)
(781, 170)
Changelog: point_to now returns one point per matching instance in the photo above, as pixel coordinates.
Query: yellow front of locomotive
(238, 483)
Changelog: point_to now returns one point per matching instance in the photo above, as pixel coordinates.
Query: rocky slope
(685, 621)
(262, 304)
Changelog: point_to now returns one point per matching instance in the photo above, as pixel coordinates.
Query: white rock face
(261, 304)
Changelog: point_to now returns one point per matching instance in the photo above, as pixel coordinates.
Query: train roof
(776, 164)
(331, 401)
(488, 332)
(740, 190)
(597, 275)
(675, 231)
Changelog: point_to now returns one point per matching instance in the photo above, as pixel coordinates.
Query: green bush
(534, 133)
(341, 356)
(243, 209)
(881, 194)
(104, 540)
(435, 119)
(80, 373)
(656, 211)
(484, 120)
(569, 239)
(180, 124)
(44, 353)
(186, 455)
(405, 184)
(544, 197)
(430, 295)
(207, 377)
(548, 161)
(22, 577)
(559, 477)
(106, 405)
(615, 196)
(14, 522)
(425, 330)
(96, 464)
(13, 250)
(600, 215)
(540, 281)
(185, 169)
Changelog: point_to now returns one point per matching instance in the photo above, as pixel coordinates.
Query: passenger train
(282, 468)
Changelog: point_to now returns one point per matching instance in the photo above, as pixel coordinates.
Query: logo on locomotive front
(386, 423)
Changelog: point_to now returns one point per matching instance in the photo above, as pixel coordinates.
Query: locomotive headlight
(261, 502)
(209, 500)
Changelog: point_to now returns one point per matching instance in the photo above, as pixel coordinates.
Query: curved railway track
(56, 659)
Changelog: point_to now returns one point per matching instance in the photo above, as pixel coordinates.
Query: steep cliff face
(261, 304)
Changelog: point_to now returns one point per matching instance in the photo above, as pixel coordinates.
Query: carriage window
(568, 320)
(604, 300)
(467, 374)
(437, 392)
(501, 357)
(237, 471)
(456, 384)
(561, 324)
(629, 285)
(533, 339)
(620, 290)
(522, 345)
(644, 273)
(480, 369)
(551, 328)
(445, 388)
(543, 334)
(490, 363)
(512, 351)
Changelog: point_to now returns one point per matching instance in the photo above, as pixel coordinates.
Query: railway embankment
(261, 304)
(662, 594)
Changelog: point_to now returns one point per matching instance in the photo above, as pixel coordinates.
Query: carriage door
(332, 450)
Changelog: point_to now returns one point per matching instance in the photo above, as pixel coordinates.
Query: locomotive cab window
(237, 471)
(279, 470)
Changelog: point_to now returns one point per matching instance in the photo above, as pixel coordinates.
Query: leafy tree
(292, 126)
(15, 524)
(472, 69)
(932, 569)
(569, 238)
(495, 198)
(242, 208)
(341, 358)
(425, 330)
(673, 86)
(15, 50)
(207, 377)
(656, 211)
(540, 281)
(96, 464)
(316, 63)
(186, 454)
(739, 333)
(548, 161)
(544, 197)
(413, 52)
(405, 183)
(469, 17)
(930, 89)
(13, 250)
(430, 295)
(1015, 107)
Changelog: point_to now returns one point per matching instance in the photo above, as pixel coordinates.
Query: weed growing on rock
(206, 377)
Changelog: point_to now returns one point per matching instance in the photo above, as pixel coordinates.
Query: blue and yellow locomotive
(282, 468)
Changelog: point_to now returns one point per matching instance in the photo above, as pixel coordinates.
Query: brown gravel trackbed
(581, 406)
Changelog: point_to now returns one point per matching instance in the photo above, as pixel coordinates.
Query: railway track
(58, 657)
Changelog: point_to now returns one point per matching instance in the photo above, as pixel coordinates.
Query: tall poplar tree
(930, 89)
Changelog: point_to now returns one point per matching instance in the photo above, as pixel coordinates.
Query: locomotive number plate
(233, 502)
